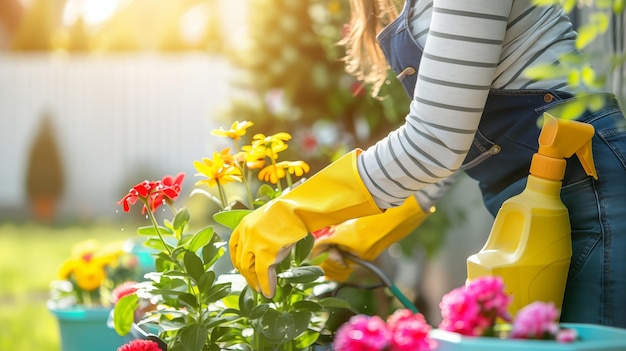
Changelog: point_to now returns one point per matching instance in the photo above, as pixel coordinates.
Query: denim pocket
(580, 199)
(611, 130)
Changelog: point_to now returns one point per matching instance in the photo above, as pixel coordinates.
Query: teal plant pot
(84, 329)
(592, 338)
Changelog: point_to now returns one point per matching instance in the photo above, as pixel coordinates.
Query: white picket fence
(115, 117)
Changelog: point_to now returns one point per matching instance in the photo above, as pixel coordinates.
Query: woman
(463, 63)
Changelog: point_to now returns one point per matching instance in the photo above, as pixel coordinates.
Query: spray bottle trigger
(586, 160)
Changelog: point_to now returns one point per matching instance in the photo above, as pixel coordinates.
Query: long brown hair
(364, 58)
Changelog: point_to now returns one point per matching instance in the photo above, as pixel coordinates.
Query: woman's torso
(535, 35)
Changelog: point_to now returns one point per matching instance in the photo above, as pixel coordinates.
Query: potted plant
(475, 318)
(87, 288)
(197, 308)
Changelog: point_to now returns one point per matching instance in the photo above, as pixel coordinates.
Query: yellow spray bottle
(530, 243)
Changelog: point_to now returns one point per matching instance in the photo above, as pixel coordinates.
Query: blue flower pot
(592, 338)
(86, 329)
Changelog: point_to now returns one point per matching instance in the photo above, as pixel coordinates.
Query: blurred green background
(29, 259)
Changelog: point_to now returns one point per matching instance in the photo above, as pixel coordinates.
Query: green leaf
(230, 218)
(124, 313)
(301, 321)
(151, 231)
(175, 274)
(201, 238)
(307, 306)
(335, 303)
(258, 311)
(216, 321)
(194, 337)
(206, 281)
(267, 192)
(303, 249)
(178, 251)
(164, 256)
(308, 338)
(586, 34)
(216, 292)
(166, 292)
(543, 71)
(181, 219)
(247, 300)
(278, 327)
(212, 251)
(189, 300)
(156, 244)
(302, 274)
(194, 265)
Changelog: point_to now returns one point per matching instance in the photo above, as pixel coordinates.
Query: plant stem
(278, 185)
(244, 180)
(156, 226)
(220, 189)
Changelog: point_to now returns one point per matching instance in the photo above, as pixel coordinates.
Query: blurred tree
(135, 25)
(167, 25)
(45, 176)
(601, 37)
(11, 12)
(35, 30)
(292, 79)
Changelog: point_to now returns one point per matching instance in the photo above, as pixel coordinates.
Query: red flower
(323, 233)
(140, 345)
(153, 193)
(309, 143)
(170, 188)
(357, 89)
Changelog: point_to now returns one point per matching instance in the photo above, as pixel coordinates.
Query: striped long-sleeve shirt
(470, 47)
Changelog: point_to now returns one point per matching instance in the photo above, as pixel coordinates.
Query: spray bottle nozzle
(560, 139)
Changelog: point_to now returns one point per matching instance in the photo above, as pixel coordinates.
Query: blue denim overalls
(499, 160)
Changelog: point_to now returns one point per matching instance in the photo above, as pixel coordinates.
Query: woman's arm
(461, 54)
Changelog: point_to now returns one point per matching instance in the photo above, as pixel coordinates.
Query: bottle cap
(560, 139)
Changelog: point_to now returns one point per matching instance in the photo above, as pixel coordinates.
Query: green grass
(29, 258)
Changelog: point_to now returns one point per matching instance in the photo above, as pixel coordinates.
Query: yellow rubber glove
(367, 237)
(264, 237)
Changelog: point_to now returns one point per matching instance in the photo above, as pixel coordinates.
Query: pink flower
(362, 333)
(409, 332)
(566, 335)
(489, 293)
(538, 320)
(474, 308)
(122, 290)
(460, 313)
(140, 345)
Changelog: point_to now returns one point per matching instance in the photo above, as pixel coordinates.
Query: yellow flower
(271, 145)
(87, 265)
(275, 172)
(227, 156)
(334, 7)
(236, 131)
(254, 158)
(297, 168)
(216, 170)
(272, 174)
